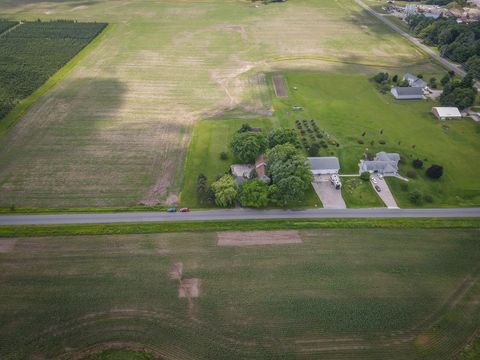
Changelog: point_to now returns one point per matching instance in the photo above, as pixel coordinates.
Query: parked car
(184, 210)
(374, 180)
(172, 210)
(380, 176)
(378, 188)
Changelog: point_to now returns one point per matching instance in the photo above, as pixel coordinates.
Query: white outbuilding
(326, 165)
(444, 113)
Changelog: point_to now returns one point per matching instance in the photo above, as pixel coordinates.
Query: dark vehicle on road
(378, 188)
(172, 210)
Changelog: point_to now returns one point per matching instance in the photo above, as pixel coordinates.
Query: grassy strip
(87, 210)
(10, 120)
(238, 225)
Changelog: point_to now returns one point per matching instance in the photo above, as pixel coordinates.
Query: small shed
(444, 113)
(327, 165)
(407, 93)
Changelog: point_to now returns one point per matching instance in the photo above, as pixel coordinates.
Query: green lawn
(351, 293)
(358, 193)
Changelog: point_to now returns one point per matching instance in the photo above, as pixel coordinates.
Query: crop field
(5, 25)
(325, 293)
(34, 51)
(114, 131)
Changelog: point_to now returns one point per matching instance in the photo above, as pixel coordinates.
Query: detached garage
(407, 93)
(444, 113)
(324, 165)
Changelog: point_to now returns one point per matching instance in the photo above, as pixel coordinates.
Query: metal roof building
(324, 165)
(407, 93)
(444, 113)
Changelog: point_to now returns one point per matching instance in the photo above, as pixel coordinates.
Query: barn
(444, 113)
(407, 93)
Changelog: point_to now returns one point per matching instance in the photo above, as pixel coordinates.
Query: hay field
(115, 130)
(338, 294)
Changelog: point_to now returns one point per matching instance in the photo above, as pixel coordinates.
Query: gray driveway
(330, 197)
(385, 193)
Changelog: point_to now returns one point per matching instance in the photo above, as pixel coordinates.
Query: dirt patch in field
(189, 288)
(176, 271)
(279, 86)
(98, 349)
(249, 238)
(7, 245)
(423, 341)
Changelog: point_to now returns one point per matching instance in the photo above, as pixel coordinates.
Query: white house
(415, 81)
(324, 165)
(384, 163)
(444, 113)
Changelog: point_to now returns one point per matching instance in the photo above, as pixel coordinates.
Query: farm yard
(115, 129)
(347, 117)
(334, 294)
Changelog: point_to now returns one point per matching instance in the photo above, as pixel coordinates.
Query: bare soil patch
(7, 245)
(176, 271)
(189, 288)
(249, 238)
(279, 86)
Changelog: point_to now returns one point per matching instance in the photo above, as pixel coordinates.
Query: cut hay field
(115, 129)
(329, 294)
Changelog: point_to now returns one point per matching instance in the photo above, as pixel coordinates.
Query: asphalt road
(237, 214)
(448, 64)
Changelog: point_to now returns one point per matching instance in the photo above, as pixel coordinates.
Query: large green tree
(289, 171)
(282, 136)
(246, 146)
(254, 193)
(225, 191)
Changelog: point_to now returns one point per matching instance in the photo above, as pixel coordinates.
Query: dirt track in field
(249, 238)
(279, 85)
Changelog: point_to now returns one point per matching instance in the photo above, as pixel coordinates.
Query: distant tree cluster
(459, 42)
(458, 93)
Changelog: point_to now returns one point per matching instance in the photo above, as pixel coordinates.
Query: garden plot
(279, 86)
(7, 245)
(249, 238)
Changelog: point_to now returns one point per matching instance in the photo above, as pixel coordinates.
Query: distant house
(411, 10)
(261, 169)
(241, 172)
(324, 165)
(415, 81)
(383, 163)
(444, 113)
(407, 93)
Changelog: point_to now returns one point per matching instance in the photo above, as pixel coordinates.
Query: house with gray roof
(383, 163)
(407, 93)
(326, 165)
(415, 81)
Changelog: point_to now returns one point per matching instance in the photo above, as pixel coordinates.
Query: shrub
(223, 155)
(365, 176)
(428, 198)
(381, 77)
(204, 191)
(254, 193)
(225, 191)
(411, 174)
(404, 187)
(360, 141)
(415, 197)
(245, 128)
(382, 142)
(283, 136)
(403, 160)
(313, 149)
(435, 172)
(417, 163)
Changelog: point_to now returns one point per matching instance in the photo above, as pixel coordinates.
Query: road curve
(235, 214)
(448, 64)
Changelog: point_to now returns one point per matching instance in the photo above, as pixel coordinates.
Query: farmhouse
(415, 81)
(241, 172)
(383, 163)
(324, 165)
(407, 93)
(444, 113)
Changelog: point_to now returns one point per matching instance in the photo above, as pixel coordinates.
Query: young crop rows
(34, 51)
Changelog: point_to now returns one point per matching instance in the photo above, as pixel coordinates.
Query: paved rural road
(448, 64)
(237, 214)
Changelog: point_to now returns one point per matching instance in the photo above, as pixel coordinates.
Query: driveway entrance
(330, 197)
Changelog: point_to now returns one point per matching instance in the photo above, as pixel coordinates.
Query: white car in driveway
(374, 180)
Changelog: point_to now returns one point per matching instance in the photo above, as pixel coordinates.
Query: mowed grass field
(115, 130)
(338, 294)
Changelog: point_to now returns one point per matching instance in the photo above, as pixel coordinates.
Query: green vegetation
(225, 191)
(459, 93)
(254, 193)
(246, 146)
(240, 225)
(34, 51)
(357, 116)
(459, 42)
(388, 291)
(358, 193)
(120, 354)
(5, 25)
(472, 352)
